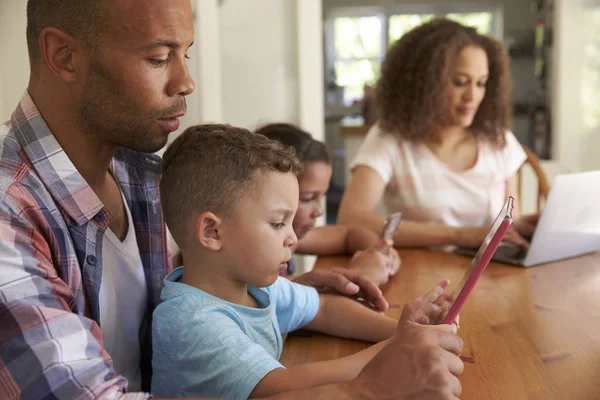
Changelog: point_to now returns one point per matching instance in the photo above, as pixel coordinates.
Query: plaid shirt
(51, 229)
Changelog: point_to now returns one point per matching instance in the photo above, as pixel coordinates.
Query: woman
(332, 239)
(441, 153)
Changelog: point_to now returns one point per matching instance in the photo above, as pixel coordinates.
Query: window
(400, 24)
(357, 38)
(590, 77)
(482, 21)
(358, 51)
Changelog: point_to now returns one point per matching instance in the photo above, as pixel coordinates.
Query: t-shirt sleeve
(205, 354)
(513, 156)
(378, 153)
(295, 305)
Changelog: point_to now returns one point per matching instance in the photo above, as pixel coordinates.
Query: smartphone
(480, 261)
(390, 226)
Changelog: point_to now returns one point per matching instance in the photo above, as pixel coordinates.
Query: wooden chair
(543, 185)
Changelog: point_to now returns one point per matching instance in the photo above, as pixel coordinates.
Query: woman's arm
(336, 239)
(364, 193)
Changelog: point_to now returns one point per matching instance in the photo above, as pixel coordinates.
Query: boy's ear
(206, 231)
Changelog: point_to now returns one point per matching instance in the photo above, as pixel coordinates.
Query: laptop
(569, 225)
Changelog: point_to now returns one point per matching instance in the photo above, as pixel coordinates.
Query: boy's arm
(344, 317)
(344, 369)
(310, 375)
(336, 239)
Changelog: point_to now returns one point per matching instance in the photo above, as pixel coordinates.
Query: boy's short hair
(209, 167)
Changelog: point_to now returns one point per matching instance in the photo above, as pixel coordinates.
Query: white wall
(310, 67)
(259, 61)
(272, 58)
(14, 67)
(576, 144)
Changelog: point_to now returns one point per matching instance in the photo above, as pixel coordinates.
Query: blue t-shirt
(207, 347)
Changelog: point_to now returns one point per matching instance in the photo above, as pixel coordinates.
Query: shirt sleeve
(204, 353)
(513, 156)
(378, 152)
(46, 350)
(295, 305)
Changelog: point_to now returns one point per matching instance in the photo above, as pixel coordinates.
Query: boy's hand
(419, 362)
(346, 282)
(434, 306)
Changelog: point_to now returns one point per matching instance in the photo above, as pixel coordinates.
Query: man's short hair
(209, 167)
(82, 19)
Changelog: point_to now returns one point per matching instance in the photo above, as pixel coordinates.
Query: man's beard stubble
(106, 113)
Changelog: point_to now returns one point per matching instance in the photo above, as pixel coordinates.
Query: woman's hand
(473, 236)
(526, 224)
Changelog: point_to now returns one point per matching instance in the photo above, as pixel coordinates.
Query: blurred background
(314, 62)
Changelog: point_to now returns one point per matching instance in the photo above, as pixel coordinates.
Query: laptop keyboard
(507, 251)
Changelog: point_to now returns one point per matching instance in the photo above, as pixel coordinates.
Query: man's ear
(59, 52)
(206, 231)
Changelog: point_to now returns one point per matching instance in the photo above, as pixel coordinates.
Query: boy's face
(258, 236)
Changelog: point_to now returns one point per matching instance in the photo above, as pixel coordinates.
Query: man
(83, 245)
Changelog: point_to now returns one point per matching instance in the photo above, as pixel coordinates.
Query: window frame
(384, 13)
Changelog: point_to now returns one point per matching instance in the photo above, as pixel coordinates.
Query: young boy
(229, 198)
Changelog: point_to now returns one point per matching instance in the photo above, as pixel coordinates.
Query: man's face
(134, 92)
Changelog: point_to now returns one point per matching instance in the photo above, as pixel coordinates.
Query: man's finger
(447, 338)
(455, 385)
(455, 365)
(371, 292)
(365, 284)
(341, 283)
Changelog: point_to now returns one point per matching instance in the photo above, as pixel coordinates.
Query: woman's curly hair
(416, 71)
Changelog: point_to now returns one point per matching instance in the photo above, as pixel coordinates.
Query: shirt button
(99, 217)
(91, 260)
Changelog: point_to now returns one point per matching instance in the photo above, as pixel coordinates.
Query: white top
(425, 189)
(123, 296)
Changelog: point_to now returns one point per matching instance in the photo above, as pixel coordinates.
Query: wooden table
(529, 333)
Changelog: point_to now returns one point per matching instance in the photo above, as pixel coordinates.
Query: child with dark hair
(331, 239)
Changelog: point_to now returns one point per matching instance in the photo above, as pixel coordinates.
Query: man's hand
(377, 263)
(346, 282)
(420, 362)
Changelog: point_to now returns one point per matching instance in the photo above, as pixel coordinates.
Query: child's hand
(435, 305)
(377, 263)
(393, 261)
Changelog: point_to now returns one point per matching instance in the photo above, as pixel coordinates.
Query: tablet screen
(505, 213)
